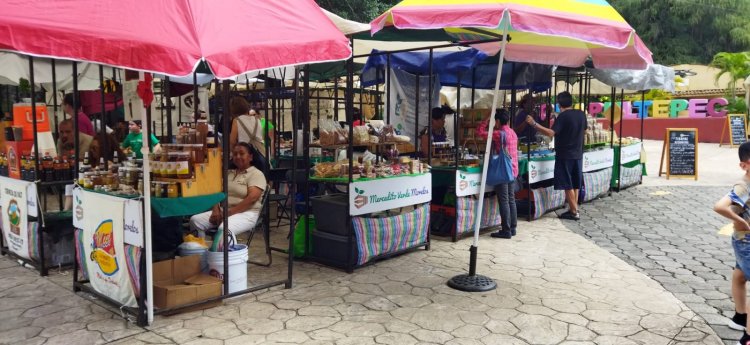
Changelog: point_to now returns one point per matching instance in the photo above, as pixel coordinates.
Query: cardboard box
(180, 281)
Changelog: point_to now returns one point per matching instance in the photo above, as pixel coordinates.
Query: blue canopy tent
(475, 69)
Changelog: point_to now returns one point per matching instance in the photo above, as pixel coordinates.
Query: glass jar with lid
(172, 190)
(183, 165)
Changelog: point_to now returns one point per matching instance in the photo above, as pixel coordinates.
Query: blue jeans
(742, 254)
(507, 199)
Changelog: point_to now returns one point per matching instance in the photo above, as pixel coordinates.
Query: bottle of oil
(24, 168)
(59, 174)
(85, 166)
(33, 174)
(48, 168)
(67, 174)
(3, 165)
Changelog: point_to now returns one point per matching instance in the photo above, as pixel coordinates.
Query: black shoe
(745, 340)
(501, 234)
(570, 215)
(738, 322)
(513, 232)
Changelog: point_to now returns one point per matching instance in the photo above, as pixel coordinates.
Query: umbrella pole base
(472, 282)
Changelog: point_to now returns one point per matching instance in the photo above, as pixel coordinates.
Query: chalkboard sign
(681, 146)
(737, 128)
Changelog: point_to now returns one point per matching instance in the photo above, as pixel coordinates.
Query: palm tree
(737, 65)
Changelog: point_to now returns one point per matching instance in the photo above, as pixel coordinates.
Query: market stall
(306, 29)
(384, 207)
(455, 161)
(34, 233)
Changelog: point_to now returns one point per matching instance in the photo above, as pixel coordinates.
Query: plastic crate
(331, 213)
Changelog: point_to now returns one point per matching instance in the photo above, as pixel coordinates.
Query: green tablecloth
(58, 216)
(176, 207)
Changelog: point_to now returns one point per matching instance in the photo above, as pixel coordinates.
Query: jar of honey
(183, 165)
(171, 171)
(172, 190)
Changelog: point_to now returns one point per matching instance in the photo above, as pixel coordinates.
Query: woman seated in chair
(246, 186)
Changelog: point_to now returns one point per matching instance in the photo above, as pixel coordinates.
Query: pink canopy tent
(172, 36)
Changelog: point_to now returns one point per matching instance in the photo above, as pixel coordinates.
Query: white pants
(238, 223)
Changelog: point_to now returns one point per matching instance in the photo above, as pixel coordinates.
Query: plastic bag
(361, 135)
(193, 242)
(328, 131)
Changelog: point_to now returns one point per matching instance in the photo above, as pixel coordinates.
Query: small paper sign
(133, 223)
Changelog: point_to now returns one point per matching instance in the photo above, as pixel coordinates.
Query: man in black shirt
(569, 130)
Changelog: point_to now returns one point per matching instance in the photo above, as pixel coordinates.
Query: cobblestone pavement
(555, 287)
(670, 234)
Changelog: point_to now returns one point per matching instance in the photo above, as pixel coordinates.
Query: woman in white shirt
(246, 126)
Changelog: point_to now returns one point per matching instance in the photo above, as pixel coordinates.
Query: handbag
(500, 168)
(259, 158)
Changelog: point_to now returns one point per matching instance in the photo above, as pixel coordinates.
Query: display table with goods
(455, 202)
(32, 232)
(537, 172)
(385, 210)
(456, 177)
(109, 226)
(628, 169)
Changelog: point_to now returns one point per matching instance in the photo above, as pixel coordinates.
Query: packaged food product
(387, 134)
(361, 135)
(183, 165)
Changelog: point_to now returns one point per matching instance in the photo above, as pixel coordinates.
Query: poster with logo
(388, 193)
(78, 208)
(15, 215)
(597, 160)
(102, 218)
(630, 153)
(541, 170)
(467, 183)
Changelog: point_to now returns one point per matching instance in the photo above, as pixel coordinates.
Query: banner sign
(15, 216)
(541, 170)
(467, 183)
(403, 101)
(597, 160)
(388, 193)
(102, 218)
(630, 153)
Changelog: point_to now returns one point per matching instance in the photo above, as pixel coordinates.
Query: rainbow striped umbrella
(551, 32)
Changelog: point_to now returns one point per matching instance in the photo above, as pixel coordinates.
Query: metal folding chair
(263, 223)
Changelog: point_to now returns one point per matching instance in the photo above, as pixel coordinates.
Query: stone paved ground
(670, 234)
(555, 287)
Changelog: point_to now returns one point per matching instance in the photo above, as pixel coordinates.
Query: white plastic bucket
(237, 266)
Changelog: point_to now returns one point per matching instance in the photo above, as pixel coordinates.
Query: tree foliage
(688, 31)
(676, 31)
(358, 10)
